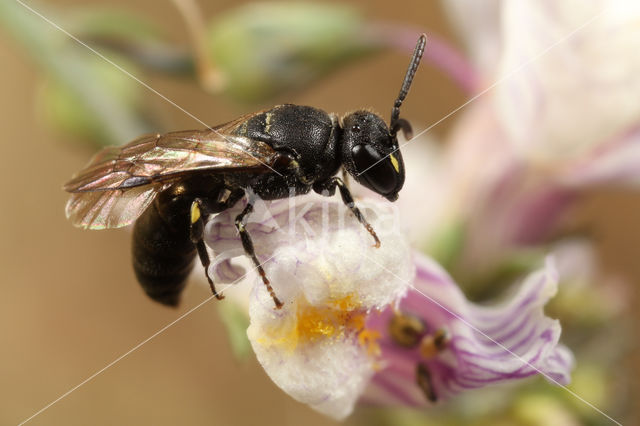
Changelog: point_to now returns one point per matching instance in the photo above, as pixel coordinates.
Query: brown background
(70, 305)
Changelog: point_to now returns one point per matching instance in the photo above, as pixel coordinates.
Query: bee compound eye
(374, 173)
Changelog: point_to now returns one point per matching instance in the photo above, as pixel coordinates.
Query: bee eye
(376, 173)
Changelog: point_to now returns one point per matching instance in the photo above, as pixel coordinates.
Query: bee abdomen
(162, 257)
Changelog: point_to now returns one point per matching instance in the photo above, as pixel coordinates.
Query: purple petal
(614, 162)
(488, 344)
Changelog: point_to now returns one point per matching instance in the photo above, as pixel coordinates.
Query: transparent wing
(119, 183)
(158, 158)
(110, 209)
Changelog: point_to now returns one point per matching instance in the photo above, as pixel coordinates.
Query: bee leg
(241, 223)
(345, 178)
(196, 233)
(329, 188)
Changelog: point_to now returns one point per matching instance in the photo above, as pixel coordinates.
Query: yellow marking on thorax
(243, 128)
(394, 163)
(195, 212)
(267, 122)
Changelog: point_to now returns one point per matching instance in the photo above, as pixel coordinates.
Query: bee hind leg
(196, 233)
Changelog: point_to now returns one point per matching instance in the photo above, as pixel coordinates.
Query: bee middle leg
(329, 188)
(241, 223)
(199, 212)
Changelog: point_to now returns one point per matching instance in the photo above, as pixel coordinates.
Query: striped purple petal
(484, 345)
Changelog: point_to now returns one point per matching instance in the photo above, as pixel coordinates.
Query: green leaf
(68, 110)
(92, 88)
(133, 37)
(236, 323)
(263, 49)
(111, 22)
(446, 246)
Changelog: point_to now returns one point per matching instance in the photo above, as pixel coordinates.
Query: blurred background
(70, 302)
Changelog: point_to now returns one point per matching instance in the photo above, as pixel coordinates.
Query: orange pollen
(341, 319)
(369, 339)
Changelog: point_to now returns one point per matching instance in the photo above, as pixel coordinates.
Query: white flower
(563, 116)
(585, 89)
(323, 266)
(330, 343)
(568, 72)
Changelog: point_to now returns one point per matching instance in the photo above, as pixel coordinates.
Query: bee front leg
(345, 178)
(196, 233)
(329, 188)
(241, 223)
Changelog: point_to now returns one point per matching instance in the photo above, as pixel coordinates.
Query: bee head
(370, 151)
(370, 154)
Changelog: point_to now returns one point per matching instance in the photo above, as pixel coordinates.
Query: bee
(169, 184)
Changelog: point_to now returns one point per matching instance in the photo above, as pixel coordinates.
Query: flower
(322, 264)
(584, 90)
(329, 345)
(566, 74)
(555, 115)
(437, 343)
(504, 202)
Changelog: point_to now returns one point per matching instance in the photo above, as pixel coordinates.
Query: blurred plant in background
(557, 117)
(252, 53)
(496, 196)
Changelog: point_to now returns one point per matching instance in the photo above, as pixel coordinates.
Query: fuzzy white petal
(571, 74)
(323, 265)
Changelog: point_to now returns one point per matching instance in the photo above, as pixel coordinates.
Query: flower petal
(572, 74)
(478, 24)
(614, 162)
(322, 264)
(326, 372)
(487, 344)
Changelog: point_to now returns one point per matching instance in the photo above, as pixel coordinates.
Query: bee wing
(119, 183)
(110, 209)
(158, 158)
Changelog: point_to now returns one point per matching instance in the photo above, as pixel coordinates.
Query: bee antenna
(396, 122)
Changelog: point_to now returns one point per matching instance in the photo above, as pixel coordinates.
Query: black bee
(169, 184)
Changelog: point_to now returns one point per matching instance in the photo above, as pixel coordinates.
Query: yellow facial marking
(394, 162)
(195, 212)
